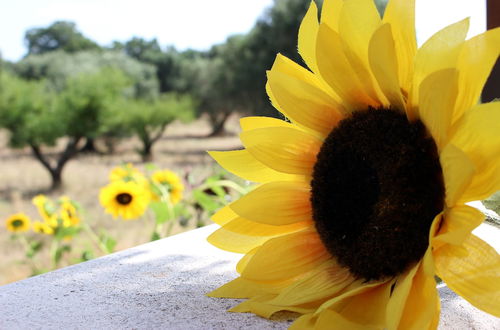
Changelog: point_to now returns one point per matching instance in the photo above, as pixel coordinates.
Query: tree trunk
(147, 155)
(218, 124)
(56, 177)
(89, 146)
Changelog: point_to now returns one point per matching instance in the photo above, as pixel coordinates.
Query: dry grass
(183, 149)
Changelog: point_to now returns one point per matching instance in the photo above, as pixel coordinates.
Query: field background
(182, 149)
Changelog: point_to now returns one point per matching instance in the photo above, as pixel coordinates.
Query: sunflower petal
(279, 203)
(241, 288)
(307, 37)
(458, 171)
(244, 165)
(438, 93)
(400, 14)
(283, 149)
(420, 307)
(441, 51)
(476, 133)
(325, 282)
(305, 104)
(472, 272)
(286, 257)
(251, 228)
(338, 73)
(384, 64)
(255, 122)
(475, 62)
(398, 298)
(223, 216)
(233, 242)
(359, 19)
(330, 13)
(458, 223)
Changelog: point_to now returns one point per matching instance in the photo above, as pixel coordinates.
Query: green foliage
(149, 119)
(59, 35)
(58, 67)
(28, 112)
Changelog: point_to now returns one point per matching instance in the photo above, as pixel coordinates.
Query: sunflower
(128, 200)
(169, 181)
(45, 207)
(43, 228)
(18, 223)
(126, 172)
(69, 213)
(362, 191)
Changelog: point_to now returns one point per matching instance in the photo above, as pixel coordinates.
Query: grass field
(182, 149)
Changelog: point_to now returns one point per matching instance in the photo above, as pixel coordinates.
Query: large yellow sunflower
(18, 223)
(362, 191)
(128, 200)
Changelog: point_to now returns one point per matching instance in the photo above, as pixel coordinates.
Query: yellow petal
(476, 133)
(330, 13)
(321, 284)
(384, 65)
(438, 93)
(331, 320)
(283, 149)
(303, 103)
(244, 165)
(359, 19)
(458, 171)
(398, 298)
(286, 257)
(241, 288)
(254, 122)
(241, 265)
(233, 242)
(472, 272)
(276, 203)
(307, 37)
(338, 73)
(420, 308)
(223, 216)
(306, 321)
(439, 52)
(400, 14)
(474, 64)
(251, 228)
(458, 223)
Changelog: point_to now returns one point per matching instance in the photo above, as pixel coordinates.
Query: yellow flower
(18, 223)
(44, 206)
(69, 213)
(169, 181)
(126, 172)
(128, 200)
(362, 195)
(42, 228)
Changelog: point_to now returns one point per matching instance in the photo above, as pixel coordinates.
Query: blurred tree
(37, 117)
(60, 35)
(149, 119)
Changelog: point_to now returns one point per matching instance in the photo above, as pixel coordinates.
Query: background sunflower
(128, 200)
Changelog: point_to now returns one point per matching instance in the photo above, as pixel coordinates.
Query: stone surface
(162, 285)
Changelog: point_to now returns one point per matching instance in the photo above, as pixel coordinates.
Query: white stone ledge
(162, 285)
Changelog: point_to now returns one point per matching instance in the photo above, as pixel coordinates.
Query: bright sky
(185, 24)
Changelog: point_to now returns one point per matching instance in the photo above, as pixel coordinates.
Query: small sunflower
(128, 200)
(69, 213)
(363, 192)
(45, 207)
(169, 181)
(18, 223)
(126, 172)
(43, 228)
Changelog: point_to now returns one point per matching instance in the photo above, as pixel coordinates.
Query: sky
(196, 24)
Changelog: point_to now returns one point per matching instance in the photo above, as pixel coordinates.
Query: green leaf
(110, 244)
(160, 209)
(60, 251)
(33, 248)
(87, 255)
(155, 236)
(205, 201)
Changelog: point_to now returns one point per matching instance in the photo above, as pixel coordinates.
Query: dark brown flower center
(377, 185)
(124, 198)
(16, 223)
